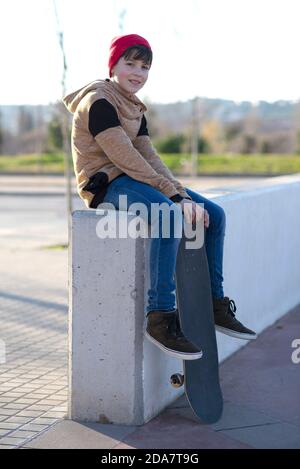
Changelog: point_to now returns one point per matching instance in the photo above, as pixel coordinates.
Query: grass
(236, 164)
(178, 163)
(39, 163)
(56, 247)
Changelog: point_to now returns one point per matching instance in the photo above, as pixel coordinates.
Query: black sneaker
(163, 330)
(226, 321)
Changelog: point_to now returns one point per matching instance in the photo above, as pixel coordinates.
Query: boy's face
(130, 74)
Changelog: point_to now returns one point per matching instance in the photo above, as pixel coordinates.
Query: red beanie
(120, 43)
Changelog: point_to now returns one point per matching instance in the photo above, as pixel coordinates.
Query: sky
(229, 49)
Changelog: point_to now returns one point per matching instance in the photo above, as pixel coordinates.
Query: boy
(113, 155)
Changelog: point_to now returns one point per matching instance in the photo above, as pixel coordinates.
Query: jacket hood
(72, 100)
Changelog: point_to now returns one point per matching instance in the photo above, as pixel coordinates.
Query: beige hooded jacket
(114, 150)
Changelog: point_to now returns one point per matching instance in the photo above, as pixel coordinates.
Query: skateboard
(194, 303)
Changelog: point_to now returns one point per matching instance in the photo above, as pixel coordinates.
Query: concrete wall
(262, 254)
(117, 376)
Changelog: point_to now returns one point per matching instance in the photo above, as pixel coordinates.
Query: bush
(171, 144)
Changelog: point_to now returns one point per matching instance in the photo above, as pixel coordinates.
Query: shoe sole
(172, 353)
(236, 335)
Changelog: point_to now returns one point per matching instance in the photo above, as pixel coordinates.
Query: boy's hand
(194, 212)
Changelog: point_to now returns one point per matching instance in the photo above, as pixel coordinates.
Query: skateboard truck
(177, 380)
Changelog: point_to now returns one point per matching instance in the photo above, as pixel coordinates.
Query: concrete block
(115, 375)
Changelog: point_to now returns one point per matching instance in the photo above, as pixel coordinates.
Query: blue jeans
(163, 251)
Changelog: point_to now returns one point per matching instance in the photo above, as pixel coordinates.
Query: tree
(153, 122)
(25, 120)
(232, 130)
(171, 144)
(55, 135)
(249, 144)
(1, 134)
(212, 134)
(266, 146)
(298, 143)
(203, 146)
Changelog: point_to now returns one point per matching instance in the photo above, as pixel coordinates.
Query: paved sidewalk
(261, 388)
(33, 317)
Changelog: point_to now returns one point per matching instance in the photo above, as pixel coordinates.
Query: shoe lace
(231, 308)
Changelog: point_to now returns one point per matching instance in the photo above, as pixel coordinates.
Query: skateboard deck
(194, 303)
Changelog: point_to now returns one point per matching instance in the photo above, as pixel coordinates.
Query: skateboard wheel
(177, 380)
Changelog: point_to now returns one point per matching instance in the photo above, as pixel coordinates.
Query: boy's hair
(138, 52)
